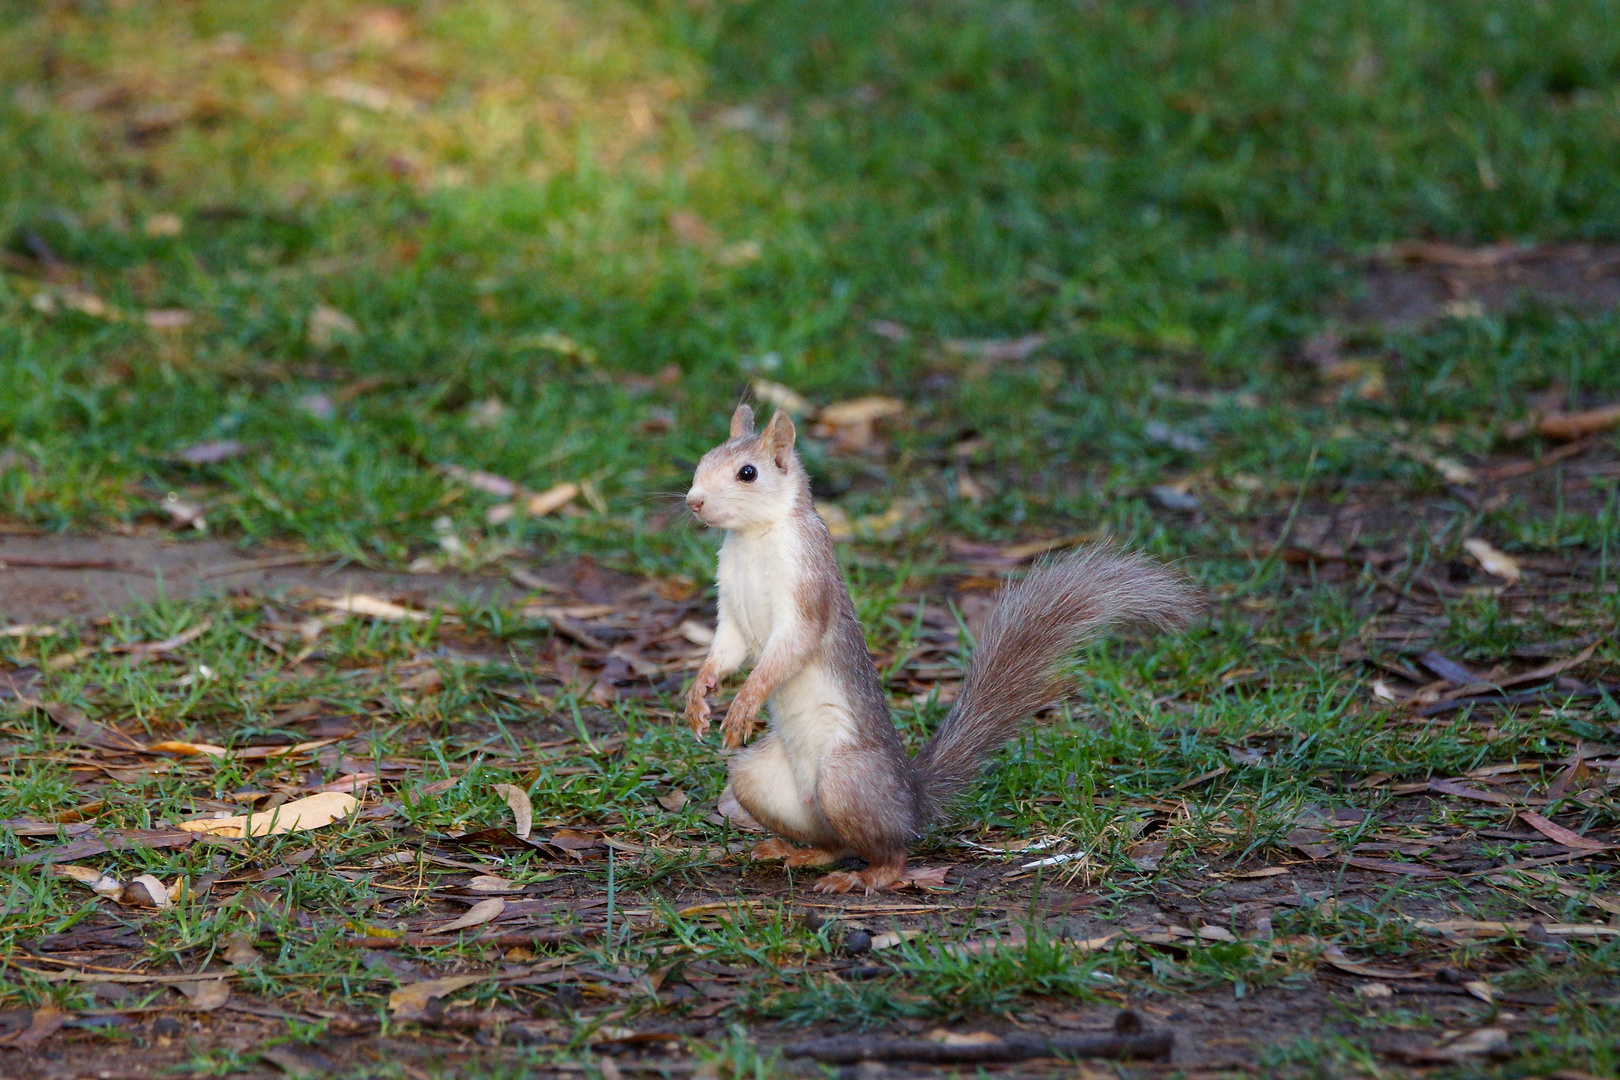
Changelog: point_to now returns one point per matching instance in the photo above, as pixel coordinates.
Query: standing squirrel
(831, 773)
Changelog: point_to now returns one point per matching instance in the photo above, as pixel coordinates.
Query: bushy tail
(1016, 667)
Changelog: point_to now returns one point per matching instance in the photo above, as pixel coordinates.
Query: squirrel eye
(747, 474)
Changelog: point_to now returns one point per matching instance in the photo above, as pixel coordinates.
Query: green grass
(566, 237)
(1166, 193)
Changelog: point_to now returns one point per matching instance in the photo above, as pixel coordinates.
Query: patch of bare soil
(1417, 282)
(45, 577)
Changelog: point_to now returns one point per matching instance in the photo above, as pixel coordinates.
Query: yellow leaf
(300, 815)
(1492, 561)
(862, 410)
(376, 608)
(101, 884)
(409, 1002)
(188, 749)
(551, 499)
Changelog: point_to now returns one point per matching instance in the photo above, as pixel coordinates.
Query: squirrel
(830, 773)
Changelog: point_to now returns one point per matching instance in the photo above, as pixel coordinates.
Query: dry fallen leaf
(376, 608)
(1477, 1043)
(551, 499)
(327, 324)
(996, 349)
(849, 423)
(673, 800)
(783, 398)
(42, 1025)
(892, 938)
(491, 883)
(487, 482)
(409, 1002)
(163, 223)
(25, 630)
(209, 453)
(184, 512)
(146, 890)
(240, 953)
(522, 809)
(924, 877)
(1579, 424)
(861, 410)
(188, 749)
(204, 996)
(480, 913)
(300, 815)
(951, 1038)
(100, 883)
(1560, 835)
(1492, 561)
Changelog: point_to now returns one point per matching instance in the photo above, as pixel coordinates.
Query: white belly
(810, 717)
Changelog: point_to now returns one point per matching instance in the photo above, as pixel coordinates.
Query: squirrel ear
(742, 421)
(778, 438)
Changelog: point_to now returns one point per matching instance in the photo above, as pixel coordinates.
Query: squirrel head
(750, 480)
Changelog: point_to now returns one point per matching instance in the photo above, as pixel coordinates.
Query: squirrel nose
(694, 499)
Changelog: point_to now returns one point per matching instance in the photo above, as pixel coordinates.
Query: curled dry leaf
(480, 913)
(300, 815)
(146, 890)
(1492, 561)
(522, 809)
(100, 883)
(410, 1001)
(374, 607)
(673, 800)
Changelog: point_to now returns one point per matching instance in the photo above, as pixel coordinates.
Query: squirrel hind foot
(793, 854)
(868, 881)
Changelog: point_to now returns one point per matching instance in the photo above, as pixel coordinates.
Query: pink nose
(695, 502)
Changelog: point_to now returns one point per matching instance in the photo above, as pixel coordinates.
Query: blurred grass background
(557, 240)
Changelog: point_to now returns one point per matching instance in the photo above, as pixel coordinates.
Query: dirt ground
(1215, 1032)
(49, 576)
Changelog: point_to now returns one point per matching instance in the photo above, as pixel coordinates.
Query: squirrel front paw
(697, 704)
(737, 726)
(697, 715)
